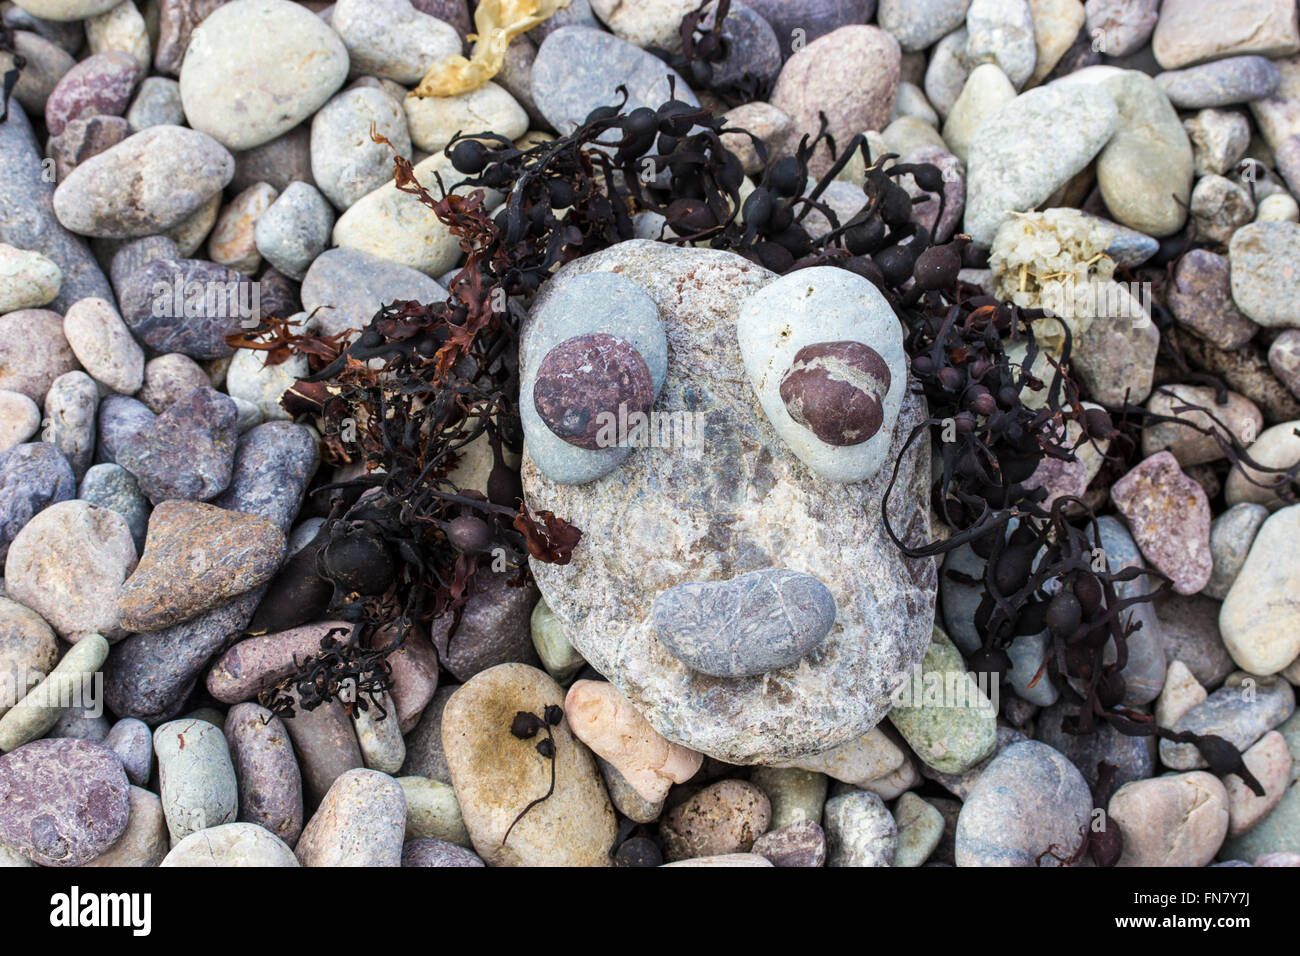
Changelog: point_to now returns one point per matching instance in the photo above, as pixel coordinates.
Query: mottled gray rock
(802, 843)
(149, 675)
(783, 714)
(392, 39)
(231, 844)
(1264, 284)
(119, 418)
(83, 138)
(1002, 32)
(352, 286)
(1029, 799)
(725, 817)
(150, 182)
(859, 831)
(578, 68)
(494, 629)
(917, 24)
(157, 103)
(1144, 675)
(20, 418)
(278, 162)
(273, 464)
(1265, 27)
(425, 756)
(1227, 82)
(361, 822)
(1200, 296)
(1134, 758)
(104, 346)
(1231, 536)
(70, 407)
(27, 217)
(799, 22)
(46, 63)
(1121, 27)
(750, 624)
(132, 741)
(62, 802)
(32, 477)
(257, 68)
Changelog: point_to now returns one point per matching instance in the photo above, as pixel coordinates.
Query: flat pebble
(231, 844)
(1264, 27)
(295, 229)
(802, 843)
(1169, 516)
(1241, 711)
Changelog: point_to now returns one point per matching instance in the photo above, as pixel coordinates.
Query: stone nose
(753, 623)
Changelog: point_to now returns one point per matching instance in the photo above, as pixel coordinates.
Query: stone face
(1007, 172)
(1264, 27)
(360, 823)
(1259, 615)
(987, 90)
(747, 469)
(1030, 798)
(1241, 711)
(1265, 278)
(586, 381)
(169, 172)
(950, 735)
(196, 778)
(859, 831)
(257, 68)
(578, 68)
(62, 802)
(188, 451)
(1169, 515)
(754, 623)
(1179, 820)
(606, 721)
(851, 74)
(68, 564)
(1145, 171)
(196, 558)
(497, 774)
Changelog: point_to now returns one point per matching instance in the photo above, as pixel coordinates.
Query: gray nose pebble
(753, 623)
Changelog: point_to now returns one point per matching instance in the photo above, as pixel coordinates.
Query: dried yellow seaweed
(497, 22)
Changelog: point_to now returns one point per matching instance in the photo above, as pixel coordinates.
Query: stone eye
(588, 381)
(837, 390)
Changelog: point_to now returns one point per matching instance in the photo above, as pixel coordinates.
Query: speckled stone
(197, 557)
(273, 464)
(157, 103)
(33, 351)
(104, 346)
(851, 74)
(1258, 619)
(259, 662)
(68, 565)
(270, 784)
(233, 845)
(1027, 800)
(62, 802)
(28, 651)
(496, 775)
(32, 477)
(1169, 515)
(145, 841)
(70, 407)
(802, 843)
(1265, 27)
(920, 828)
(119, 418)
(360, 822)
(132, 741)
(46, 63)
(950, 735)
(170, 173)
(1002, 32)
(724, 817)
(1241, 711)
(425, 756)
(295, 229)
(432, 812)
(1271, 763)
(1231, 536)
(20, 419)
(437, 853)
(186, 305)
(1265, 280)
(101, 84)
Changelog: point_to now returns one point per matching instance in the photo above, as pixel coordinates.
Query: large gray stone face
(738, 502)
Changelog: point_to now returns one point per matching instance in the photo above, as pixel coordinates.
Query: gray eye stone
(754, 623)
